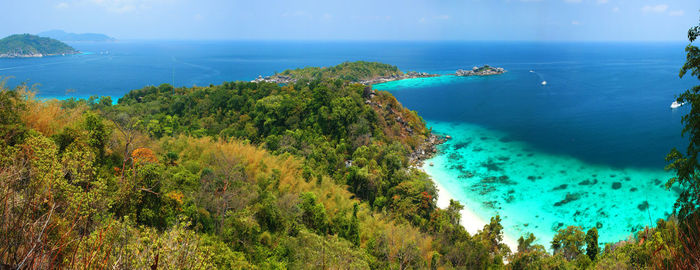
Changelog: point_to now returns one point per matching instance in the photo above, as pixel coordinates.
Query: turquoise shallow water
(587, 149)
(492, 175)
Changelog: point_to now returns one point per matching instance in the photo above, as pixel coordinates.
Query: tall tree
(592, 248)
(687, 166)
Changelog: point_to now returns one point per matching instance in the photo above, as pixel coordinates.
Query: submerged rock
(643, 206)
(464, 175)
(560, 187)
(616, 185)
(461, 145)
(633, 189)
(531, 178)
(599, 225)
(557, 225)
(569, 198)
(504, 179)
(490, 204)
(492, 166)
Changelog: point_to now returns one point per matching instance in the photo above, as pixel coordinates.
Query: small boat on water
(675, 104)
(544, 82)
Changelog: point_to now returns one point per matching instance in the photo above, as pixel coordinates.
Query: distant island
(26, 45)
(367, 73)
(485, 70)
(65, 36)
(359, 72)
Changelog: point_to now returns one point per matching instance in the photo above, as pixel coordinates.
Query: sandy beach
(470, 220)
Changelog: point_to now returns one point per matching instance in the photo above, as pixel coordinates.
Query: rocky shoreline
(407, 75)
(33, 55)
(426, 150)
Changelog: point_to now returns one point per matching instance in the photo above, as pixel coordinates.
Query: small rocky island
(485, 70)
(26, 45)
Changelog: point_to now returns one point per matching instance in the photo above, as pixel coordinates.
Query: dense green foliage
(245, 174)
(312, 175)
(351, 71)
(26, 44)
(686, 166)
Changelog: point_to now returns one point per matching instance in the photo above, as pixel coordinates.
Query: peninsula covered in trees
(367, 73)
(359, 72)
(26, 45)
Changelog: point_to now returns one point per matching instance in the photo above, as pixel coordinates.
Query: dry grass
(259, 163)
(47, 116)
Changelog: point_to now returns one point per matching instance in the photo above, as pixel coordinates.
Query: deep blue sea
(597, 132)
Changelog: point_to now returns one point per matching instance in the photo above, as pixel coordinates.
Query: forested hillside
(313, 175)
(30, 45)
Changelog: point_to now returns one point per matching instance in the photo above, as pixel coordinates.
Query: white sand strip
(470, 220)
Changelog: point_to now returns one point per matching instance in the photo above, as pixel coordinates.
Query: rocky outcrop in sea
(485, 70)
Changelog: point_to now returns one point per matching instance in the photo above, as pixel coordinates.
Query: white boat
(532, 71)
(544, 82)
(675, 104)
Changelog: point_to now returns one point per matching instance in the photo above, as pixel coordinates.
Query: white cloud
(326, 16)
(655, 8)
(602, 1)
(62, 5)
(442, 17)
(575, 22)
(298, 13)
(124, 6)
(197, 17)
(573, 1)
(676, 13)
(615, 9)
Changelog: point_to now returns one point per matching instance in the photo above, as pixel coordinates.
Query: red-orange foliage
(143, 155)
(426, 199)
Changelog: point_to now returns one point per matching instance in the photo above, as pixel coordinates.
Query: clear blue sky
(588, 20)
